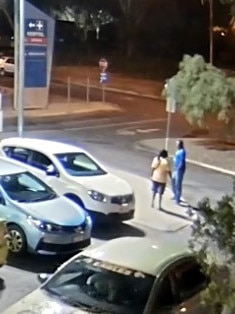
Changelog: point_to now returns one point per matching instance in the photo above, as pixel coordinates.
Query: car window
(79, 164)
(101, 286)
(189, 279)
(7, 150)
(18, 153)
(40, 161)
(177, 284)
(25, 187)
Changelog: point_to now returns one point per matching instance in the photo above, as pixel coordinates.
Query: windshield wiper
(68, 300)
(75, 303)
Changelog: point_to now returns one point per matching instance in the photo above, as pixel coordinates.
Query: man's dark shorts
(158, 187)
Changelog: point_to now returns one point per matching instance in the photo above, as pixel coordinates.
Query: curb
(114, 90)
(143, 147)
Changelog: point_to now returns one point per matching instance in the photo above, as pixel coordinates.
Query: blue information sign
(35, 53)
(35, 66)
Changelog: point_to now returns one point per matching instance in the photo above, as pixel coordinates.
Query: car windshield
(79, 165)
(101, 287)
(25, 187)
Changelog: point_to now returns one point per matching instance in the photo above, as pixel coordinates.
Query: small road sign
(103, 77)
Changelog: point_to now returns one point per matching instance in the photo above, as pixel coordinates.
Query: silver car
(38, 220)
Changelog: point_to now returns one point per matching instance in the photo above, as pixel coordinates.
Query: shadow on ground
(112, 231)
(177, 214)
(36, 263)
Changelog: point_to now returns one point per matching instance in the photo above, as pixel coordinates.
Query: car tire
(2, 72)
(17, 242)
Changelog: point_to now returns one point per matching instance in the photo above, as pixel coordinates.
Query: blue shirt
(180, 160)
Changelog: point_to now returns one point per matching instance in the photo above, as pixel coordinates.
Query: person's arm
(155, 164)
(169, 171)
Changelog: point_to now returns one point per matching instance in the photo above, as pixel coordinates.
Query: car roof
(141, 254)
(8, 167)
(45, 146)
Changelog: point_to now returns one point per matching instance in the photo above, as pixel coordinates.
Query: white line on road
(110, 125)
(147, 130)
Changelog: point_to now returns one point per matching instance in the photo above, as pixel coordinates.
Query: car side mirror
(51, 171)
(43, 278)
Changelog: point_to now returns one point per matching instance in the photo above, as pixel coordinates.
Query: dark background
(168, 30)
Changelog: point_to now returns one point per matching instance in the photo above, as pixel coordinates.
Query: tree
(132, 14)
(6, 7)
(202, 90)
(213, 243)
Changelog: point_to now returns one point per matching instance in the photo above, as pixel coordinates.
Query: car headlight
(97, 196)
(88, 221)
(44, 226)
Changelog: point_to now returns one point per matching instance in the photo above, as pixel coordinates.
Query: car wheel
(2, 72)
(17, 242)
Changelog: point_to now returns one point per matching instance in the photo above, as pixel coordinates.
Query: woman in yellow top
(160, 171)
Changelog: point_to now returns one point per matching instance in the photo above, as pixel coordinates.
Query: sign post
(170, 108)
(19, 16)
(103, 64)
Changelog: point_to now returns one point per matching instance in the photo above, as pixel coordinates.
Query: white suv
(7, 66)
(73, 172)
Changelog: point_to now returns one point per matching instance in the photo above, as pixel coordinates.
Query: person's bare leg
(160, 201)
(153, 199)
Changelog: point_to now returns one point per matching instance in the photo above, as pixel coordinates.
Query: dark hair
(180, 144)
(163, 154)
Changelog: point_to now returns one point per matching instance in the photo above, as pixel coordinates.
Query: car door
(178, 289)
(39, 164)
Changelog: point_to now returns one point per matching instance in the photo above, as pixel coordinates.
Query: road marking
(125, 132)
(110, 125)
(147, 130)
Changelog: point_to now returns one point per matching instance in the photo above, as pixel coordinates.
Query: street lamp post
(19, 38)
(211, 5)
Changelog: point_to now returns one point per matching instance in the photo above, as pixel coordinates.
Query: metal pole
(88, 90)
(168, 130)
(68, 90)
(103, 93)
(19, 62)
(211, 2)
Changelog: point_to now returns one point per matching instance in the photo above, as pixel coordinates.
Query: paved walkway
(58, 106)
(171, 219)
(198, 154)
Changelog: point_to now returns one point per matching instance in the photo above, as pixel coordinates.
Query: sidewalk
(58, 106)
(172, 219)
(198, 153)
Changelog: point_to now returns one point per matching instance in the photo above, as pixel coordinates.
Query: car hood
(39, 302)
(107, 184)
(59, 211)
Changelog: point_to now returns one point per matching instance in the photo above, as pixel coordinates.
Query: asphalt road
(112, 140)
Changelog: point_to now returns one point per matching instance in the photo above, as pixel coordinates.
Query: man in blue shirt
(178, 170)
